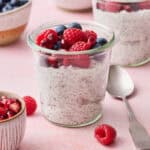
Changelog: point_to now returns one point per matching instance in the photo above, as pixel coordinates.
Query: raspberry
(47, 39)
(3, 111)
(31, 105)
(105, 134)
(53, 61)
(80, 46)
(90, 37)
(82, 61)
(73, 35)
(113, 7)
(15, 107)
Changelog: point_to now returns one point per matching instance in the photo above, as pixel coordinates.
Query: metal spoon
(120, 85)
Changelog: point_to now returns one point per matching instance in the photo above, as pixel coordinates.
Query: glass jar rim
(101, 49)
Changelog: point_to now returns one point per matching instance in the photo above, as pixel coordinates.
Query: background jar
(130, 19)
(71, 95)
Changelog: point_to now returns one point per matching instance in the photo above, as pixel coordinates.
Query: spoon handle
(129, 109)
(139, 134)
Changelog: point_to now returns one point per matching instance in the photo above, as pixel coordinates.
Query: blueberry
(75, 25)
(7, 7)
(96, 45)
(1, 2)
(57, 46)
(60, 29)
(22, 2)
(13, 2)
(101, 41)
(5, 1)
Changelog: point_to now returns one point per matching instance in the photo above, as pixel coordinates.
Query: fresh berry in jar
(75, 25)
(82, 61)
(105, 134)
(80, 46)
(73, 35)
(90, 37)
(57, 46)
(47, 38)
(100, 42)
(112, 7)
(60, 29)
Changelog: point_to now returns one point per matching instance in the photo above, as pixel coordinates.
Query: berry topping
(73, 35)
(57, 46)
(53, 61)
(72, 38)
(144, 5)
(90, 37)
(82, 61)
(60, 29)
(113, 7)
(80, 46)
(31, 105)
(100, 42)
(9, 107)
(105, 134)
(75, 25)
(47, 38)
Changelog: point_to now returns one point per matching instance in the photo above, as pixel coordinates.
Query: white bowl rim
(16, 9)
(5, 93)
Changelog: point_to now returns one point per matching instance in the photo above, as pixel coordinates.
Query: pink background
(17, 75)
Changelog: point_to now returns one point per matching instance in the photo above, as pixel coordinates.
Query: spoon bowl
(119, 82)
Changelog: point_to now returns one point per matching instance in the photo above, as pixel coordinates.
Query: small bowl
(13, 23)
(74, 5)
(12, 130)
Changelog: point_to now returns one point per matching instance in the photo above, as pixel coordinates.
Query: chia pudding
(72, 95)
(131, 22)
(72, 65)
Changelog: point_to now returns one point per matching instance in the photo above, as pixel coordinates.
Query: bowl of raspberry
(129, 19)
(14, 16)
(72, 64)
(12, 120)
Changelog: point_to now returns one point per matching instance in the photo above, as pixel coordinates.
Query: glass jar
(130, 19)
(71, 94)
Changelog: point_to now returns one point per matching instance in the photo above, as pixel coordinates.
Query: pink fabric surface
(17, 75)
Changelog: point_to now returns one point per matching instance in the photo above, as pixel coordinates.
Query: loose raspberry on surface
(105, 134)
(73, 35)
(31, 105)
(47, 39)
